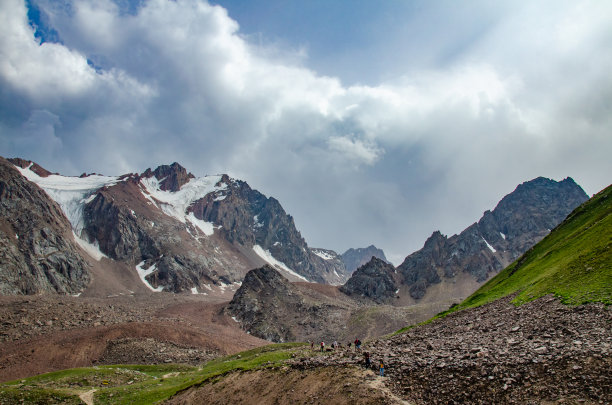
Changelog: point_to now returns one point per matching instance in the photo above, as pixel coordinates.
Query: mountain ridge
(182, 233)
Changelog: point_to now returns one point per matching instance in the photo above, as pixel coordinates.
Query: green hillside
(574, 262)
(137, 384)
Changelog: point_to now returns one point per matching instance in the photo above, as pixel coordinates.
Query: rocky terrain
(37, 250)
(355, 258)
(268, 306)
(540, 352)
(520, 220)
(51, 332)
(179, 232)
(374, 280)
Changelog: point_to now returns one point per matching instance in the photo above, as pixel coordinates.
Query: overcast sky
(372, 122)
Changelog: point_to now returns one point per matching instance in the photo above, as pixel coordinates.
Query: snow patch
(336, 273)
(92, 249)
(143, 273)
(491, 248)
(235, 320)
(208, 287)
(207, 227)
(503, 236)
(194, 290)
(71, 193)
(267, 256)
(322, 254)
(175, 203)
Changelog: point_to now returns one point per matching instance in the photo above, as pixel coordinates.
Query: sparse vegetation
(574, 262)
(136, 384)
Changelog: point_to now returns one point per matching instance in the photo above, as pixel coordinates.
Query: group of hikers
(368, 363)
(335, 345)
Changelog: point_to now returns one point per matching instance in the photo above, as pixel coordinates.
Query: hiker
(368, 364)
(349, 345)
(357, 344)
(335, 345)
(382, 368)
(322, 346)
(312, 345)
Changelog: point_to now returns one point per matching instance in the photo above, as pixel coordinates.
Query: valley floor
(40, 334)
(542, 352)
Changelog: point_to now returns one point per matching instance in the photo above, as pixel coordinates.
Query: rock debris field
(540, 352)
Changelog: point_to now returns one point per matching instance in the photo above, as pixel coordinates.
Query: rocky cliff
(182, 233)
(268, 306)
(354, 258)
(519, 221)
(374, 280)
(38, 253)
(249, 218)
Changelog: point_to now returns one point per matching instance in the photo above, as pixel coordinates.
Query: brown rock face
(37, 249)
(249, 218)
(36, 168)
(129, 228)
(520, 220)
(172, 177)
(268, 306)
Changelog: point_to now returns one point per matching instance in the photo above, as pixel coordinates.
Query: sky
(372, 122)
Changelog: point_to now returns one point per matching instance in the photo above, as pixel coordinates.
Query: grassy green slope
(574, 262)
(136, 384)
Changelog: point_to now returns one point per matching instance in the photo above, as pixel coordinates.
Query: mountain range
(140, 269)
(178, 233)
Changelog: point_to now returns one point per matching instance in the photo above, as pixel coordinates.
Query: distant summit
(455, 266)
(354, 258)
(520, 220)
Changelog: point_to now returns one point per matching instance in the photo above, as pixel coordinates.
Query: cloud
(355, 149)
(513, 92)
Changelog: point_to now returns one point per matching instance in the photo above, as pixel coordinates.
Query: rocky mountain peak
(265, 297)
(353, 258)
(35, 167)
(374, 280)
(265, 278)
(172, 177)
(520, 220)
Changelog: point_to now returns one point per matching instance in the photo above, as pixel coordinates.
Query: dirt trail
(87, 397)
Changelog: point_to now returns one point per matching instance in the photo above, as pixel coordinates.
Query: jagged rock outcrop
(183, 233)
(171, 177)
(249, 218)
(519, 221)
(374, 280)
(336, 273)
(264, 297)
(37, 250)
(127, 227)
(354, 258)
(268, 306)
